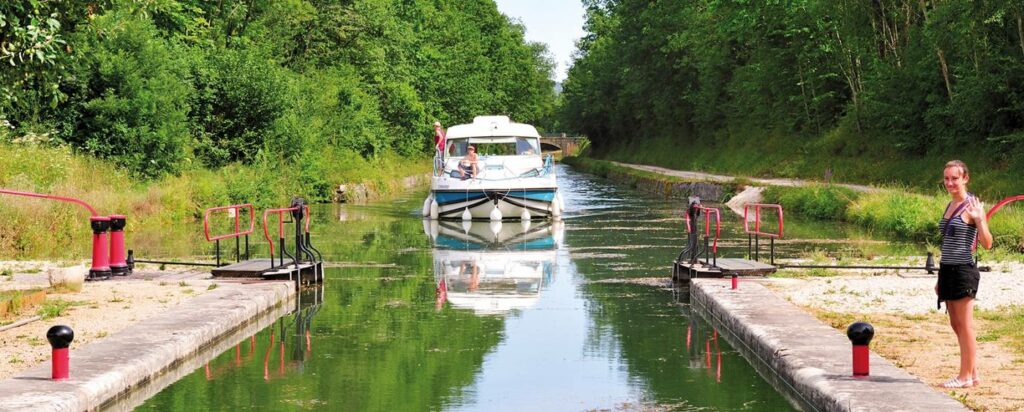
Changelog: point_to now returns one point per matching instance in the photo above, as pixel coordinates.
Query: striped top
(958, 243)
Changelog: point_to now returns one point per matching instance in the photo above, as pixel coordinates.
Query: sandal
(955, 382)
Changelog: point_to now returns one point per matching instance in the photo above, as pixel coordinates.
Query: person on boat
(963, 226)
(439, 139)
(468, 164)
(474, 275)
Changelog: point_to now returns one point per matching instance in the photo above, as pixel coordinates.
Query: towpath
(724, 178)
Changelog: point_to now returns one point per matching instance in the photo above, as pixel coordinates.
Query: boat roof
(487, 126)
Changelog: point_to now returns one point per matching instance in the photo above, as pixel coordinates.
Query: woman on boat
(468, 164)
(963, 226)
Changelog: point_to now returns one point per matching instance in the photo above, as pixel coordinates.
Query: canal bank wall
(659, 185)
(115, 367)
(808, 362)
(361, 193)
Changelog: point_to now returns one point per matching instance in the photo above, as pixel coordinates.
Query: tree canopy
(916, 76)
(161, 86)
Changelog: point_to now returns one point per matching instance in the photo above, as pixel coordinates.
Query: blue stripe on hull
(445, 198)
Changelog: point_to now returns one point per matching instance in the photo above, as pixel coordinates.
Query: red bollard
(60, 338)
(100, 264)
(118, 266)
(735, 282)
(860, 334)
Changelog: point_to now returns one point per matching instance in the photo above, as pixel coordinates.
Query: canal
(576, 315)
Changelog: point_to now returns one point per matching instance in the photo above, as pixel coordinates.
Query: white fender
(466, 216)
(434, 227)
(555, 208)
(495, 214)
(466, 226)
(426, 206)
(525, 216)
(496, 229)
(561, 201)
(434, 209)
(525, 225)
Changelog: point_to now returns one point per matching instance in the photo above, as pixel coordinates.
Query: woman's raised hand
(975, 209)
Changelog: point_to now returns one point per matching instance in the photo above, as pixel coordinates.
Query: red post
(60, 338)
(100, 263)
(118, 266)
(735, 282)
(860, 334)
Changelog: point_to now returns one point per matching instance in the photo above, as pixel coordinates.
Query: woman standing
(963, 225)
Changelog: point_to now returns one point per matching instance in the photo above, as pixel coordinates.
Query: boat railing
(438, 162)
(546, 169)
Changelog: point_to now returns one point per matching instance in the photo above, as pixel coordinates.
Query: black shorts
(958, 281)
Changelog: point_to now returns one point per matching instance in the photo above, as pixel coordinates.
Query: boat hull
(481, 203)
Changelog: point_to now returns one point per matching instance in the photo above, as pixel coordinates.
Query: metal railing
(233, 211)
(754, 235)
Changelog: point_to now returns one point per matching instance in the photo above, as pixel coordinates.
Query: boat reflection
(493, 267)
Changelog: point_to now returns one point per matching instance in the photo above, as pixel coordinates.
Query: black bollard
(60, 338)
(860, 334)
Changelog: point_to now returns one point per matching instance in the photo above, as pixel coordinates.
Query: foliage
(861, 83)
(167, 86)
(818, 201)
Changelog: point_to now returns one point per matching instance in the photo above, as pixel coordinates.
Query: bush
(817, 201)
(903, 214)
(240, 94)
(127, 98)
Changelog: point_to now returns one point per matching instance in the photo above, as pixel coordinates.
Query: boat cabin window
(491, 146)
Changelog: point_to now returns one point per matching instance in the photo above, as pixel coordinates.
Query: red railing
(238, 232)
(708, 211)
(757, 219)
(1002, 203)
(52, 197)
(280, 224)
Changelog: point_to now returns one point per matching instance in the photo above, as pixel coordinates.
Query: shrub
(818, 201)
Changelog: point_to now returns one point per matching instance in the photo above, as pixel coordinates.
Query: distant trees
(916, 75)
(172, 84)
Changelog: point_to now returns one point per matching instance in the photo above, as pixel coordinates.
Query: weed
(53, 308)
(101, 334)
(116, 299)
(188, 291)
(6, 273)
(15, 359)
(162, 284)
(212, 286)
(183, 283)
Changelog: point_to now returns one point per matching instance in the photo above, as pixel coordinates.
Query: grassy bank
(895, 212)
(840, 156)
(45, 229)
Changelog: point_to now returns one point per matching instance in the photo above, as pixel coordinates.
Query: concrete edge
(110, 368)
(807, 361)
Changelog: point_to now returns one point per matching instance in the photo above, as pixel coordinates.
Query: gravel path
(102, 308)
(891, 293)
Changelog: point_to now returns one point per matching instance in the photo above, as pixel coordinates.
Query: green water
(426, 316)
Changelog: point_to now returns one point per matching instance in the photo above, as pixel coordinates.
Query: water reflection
(493, 267)
(280, 358)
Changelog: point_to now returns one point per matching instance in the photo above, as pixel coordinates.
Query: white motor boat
(513, 180)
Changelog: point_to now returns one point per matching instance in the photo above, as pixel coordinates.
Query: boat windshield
(489, 146)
